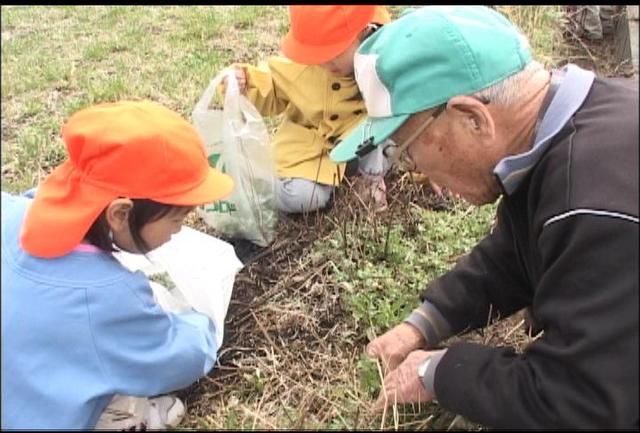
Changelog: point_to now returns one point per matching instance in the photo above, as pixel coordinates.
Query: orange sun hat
(132, 149)
(318, 34)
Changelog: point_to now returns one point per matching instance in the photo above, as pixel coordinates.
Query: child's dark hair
(143, 212)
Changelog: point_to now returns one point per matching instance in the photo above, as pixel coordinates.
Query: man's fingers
(386, 394)
(380, 404)
(389, 361)
(436, 188)
(372, 352)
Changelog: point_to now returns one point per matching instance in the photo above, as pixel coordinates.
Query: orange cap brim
(215, 186)
(66, 206)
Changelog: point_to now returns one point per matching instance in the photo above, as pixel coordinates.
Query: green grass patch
(383, 268)
(59, 59)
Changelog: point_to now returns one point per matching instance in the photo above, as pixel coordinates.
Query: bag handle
(232, 96)
(232, 82)
(210, 91)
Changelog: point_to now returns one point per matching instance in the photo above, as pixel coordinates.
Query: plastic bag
(203, 269)
(238, 143)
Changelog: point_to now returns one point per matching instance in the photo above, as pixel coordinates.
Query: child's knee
(297, 195)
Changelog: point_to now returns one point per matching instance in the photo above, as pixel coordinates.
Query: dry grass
(292, 355)
(556, 40)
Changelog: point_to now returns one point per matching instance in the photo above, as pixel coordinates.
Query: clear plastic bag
(238, 143)
(202, 268)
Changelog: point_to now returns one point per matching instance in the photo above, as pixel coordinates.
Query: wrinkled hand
(241, 78)
(403, 385)
(436, 188)
(441, 192)
(393, 346)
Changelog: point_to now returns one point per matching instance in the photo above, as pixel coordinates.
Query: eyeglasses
(397, 153)
(400, 151)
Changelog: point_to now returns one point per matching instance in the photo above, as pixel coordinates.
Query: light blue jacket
(80, 328)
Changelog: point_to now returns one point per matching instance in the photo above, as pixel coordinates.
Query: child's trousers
(299, 195)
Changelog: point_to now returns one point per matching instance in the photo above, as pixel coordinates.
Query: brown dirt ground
(276, 272)
(303, 342)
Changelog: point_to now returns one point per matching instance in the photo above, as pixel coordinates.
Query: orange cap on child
(132, 149)
(318, 34)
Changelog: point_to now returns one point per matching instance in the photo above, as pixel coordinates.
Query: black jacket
(566, 244)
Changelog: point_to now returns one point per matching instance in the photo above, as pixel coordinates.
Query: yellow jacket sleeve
(317, 109)
(263, 91)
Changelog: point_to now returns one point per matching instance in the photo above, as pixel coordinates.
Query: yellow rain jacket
(319, 109)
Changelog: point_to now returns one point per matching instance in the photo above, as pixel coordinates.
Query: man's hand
(436, 188)
(442, 192)
(403, 385)
(393, 346)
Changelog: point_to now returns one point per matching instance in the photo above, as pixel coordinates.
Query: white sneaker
(124, 412)
(138, 413)
(164, 412)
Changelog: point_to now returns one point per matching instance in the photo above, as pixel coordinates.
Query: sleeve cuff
(429, 375)
(431, 324)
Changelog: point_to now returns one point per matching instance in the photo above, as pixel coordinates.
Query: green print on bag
(222, 206)
(213, 161)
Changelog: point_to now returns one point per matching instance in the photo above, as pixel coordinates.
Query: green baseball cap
(425, 58)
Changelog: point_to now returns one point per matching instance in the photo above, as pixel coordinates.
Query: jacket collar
(569, 88)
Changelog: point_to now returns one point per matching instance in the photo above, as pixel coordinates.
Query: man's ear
(117, 214)
(473, 114)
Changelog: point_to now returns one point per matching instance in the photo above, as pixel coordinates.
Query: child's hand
(241, 78)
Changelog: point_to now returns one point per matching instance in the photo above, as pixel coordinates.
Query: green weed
(382, 275)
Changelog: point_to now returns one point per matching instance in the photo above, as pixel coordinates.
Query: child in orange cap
(78, 328)
(315, 90)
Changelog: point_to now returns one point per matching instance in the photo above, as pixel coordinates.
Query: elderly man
(455, 92)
